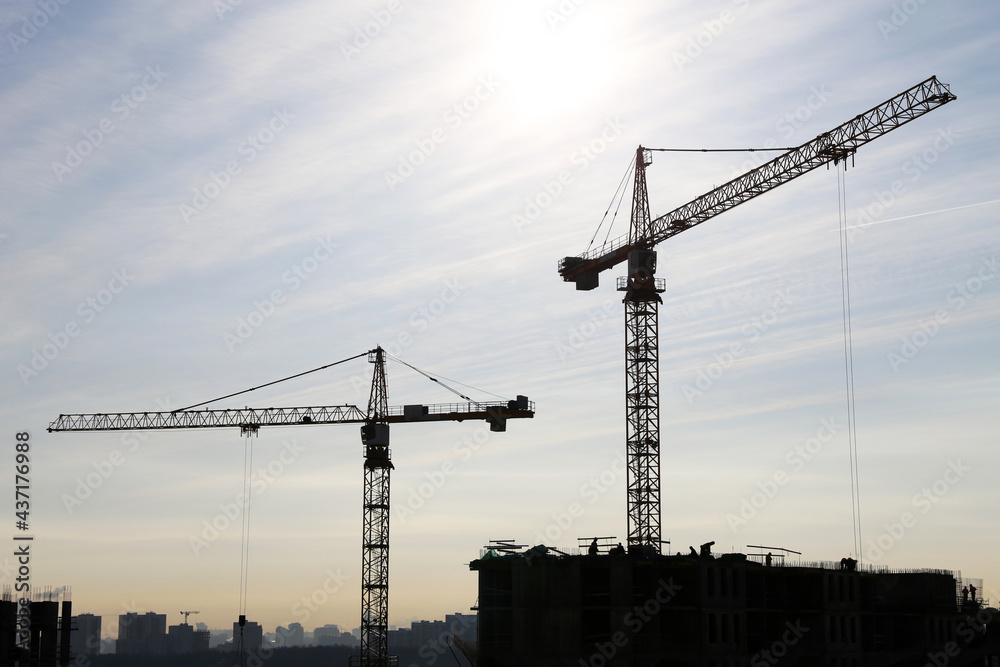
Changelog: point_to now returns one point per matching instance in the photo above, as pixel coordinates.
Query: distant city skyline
(153, 622)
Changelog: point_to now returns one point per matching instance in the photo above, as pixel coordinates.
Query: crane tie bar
(290, 377)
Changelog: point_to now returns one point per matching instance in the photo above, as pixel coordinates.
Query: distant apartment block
(184, 638)
(144, 634)
(332, 635)
(86, 637)
(293, 635)
(249, 638)
(434, 634)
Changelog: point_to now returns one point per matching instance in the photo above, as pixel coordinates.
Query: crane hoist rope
(240, 644)
(852, 430)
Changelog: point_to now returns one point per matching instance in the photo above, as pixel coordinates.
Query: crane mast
(642, 375)
(375, 529)
(642, 289)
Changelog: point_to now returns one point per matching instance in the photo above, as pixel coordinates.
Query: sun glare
(550, 62)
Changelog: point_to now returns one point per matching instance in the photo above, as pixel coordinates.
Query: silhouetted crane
(375, 423)
(642, 289)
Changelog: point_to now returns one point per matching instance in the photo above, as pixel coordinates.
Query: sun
(548, 61)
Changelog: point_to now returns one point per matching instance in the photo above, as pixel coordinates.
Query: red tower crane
(642, 289)
(375, 423)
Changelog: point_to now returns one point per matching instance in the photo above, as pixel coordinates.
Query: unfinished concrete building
(542, 607)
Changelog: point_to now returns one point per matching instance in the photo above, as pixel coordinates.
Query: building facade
(86, 637)
(538, 608)
(144, 634)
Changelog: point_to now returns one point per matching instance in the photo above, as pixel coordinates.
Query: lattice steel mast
(642, 379)
(375, 530)
(642, 289)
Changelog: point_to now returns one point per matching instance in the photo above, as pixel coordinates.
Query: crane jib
(495, 412)
(830, 147)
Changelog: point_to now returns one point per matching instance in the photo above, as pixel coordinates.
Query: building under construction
(540, 606)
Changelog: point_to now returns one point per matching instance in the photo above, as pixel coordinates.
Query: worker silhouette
(593, 548)
(972, 592)
(767, 559)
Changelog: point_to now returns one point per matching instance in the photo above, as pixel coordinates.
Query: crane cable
(620, 191)
(434, 379)
(268, 384)
(245, 543)
(720, 150)
(620, 196)
(845, 285)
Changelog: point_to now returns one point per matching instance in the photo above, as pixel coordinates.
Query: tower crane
(188, 613)
(642, 288)
(375, 423)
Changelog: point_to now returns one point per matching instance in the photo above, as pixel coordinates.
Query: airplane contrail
(917, 215)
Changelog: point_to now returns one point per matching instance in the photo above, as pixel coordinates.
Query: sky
(203, 197)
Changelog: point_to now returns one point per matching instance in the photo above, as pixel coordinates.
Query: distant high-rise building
(462, 626)
(327, 635)
(184, 638)
(86, 637)
(142, 634)
(293, 635)
(249, 638)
